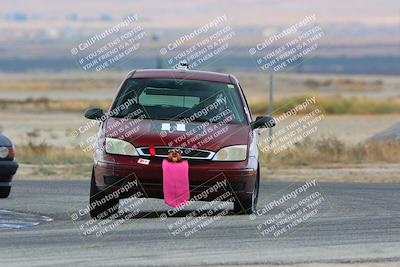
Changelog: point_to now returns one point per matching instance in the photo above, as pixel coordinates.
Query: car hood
(4, 141)
(207, 136)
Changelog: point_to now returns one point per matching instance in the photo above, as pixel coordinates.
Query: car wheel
(5, 191)
(248, 206)
(100, 207)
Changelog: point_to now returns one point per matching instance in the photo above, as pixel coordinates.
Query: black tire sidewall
(246, 206)
(96, 194)
(5, 191)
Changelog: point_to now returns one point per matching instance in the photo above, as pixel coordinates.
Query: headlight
(3, 152)
(120, 147)
(231, 153)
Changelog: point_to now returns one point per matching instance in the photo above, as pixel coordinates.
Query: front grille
(187, 153)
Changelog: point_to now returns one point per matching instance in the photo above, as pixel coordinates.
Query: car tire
(5, 191)
(103, 211)
(248, 206)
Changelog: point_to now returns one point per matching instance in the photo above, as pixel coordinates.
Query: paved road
(358, 222)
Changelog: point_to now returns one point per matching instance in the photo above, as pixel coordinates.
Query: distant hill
(391, 133)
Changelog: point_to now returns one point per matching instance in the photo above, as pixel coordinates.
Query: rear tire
(102, 209)
(248, 206)
(5, 191)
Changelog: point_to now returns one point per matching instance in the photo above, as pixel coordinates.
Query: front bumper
(240, 176)
(7, 171)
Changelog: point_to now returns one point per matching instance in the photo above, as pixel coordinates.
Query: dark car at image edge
(8, 166)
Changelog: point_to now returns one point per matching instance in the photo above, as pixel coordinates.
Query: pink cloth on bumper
(175, 182)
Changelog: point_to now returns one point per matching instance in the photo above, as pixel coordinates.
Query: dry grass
(333, 105)
(76, 171)
(59, 84)
(347, 85)
(332, 151)
(45, 104)
(350, 85)
(45, 154)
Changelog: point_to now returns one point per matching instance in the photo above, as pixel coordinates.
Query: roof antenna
(183, 65)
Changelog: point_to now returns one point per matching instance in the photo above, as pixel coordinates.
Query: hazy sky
(179, 13)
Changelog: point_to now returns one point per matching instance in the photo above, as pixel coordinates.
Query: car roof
(182, 74)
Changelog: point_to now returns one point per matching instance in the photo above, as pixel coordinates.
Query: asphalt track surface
(361, 223)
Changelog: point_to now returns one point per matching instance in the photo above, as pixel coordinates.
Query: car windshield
(179, 100)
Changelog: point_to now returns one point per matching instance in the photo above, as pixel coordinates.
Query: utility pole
(270, 106)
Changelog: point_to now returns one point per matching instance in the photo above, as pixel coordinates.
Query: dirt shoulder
(337, 173)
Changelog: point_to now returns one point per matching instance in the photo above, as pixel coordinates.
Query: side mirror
(94, 113)
(263, 122)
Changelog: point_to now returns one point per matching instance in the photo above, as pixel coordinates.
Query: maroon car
(204, 115)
